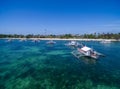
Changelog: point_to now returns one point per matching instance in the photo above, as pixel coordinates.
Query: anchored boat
(35, 40)
(87, 52)
(22, 39)
(51, 42)
(9, 40)
(72, 43)
(106, 41)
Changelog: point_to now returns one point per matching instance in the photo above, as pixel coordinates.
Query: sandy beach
(62, 39)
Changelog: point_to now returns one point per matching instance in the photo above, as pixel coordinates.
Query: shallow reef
(38, 66)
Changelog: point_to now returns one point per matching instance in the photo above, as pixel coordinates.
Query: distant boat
(51, 42)
(105, 41)
(72, 43)
(35, 40)
(22, 39)
(86, 52)
(9, 40)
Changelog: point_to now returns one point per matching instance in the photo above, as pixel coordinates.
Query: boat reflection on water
(50, 45)
(88, 60)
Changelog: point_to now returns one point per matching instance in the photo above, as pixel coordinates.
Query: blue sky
(59, 16)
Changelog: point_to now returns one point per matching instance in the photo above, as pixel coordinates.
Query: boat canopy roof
(85, 48)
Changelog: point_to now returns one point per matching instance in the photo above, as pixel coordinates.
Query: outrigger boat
(106, 41)
(86, 52)
(72, 43)
(51, 42)
(9, 40)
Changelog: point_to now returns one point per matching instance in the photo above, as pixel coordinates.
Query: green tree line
(89, 36)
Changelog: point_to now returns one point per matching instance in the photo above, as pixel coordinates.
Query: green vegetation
(67, 36)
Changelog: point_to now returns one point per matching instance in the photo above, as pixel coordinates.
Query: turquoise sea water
(29, 65)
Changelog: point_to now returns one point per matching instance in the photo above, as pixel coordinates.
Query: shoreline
(84, 39)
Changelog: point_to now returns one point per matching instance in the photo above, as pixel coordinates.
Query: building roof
(85, 48)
